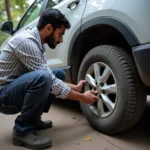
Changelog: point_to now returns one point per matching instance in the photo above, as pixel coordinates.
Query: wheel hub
(98, 89)
(100, 77)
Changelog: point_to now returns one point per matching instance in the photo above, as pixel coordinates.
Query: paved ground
(70, 129)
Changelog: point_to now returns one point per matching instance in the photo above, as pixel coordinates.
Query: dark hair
(53, 17)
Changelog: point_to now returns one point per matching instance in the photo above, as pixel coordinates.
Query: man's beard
(51, 42)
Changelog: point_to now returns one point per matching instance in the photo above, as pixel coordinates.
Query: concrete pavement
(71, 128)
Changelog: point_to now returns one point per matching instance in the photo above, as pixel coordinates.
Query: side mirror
(7, 27)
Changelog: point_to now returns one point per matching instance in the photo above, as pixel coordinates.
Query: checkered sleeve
(59, 89)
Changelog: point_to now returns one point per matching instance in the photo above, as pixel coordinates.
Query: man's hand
(80, 85)
(90, 97)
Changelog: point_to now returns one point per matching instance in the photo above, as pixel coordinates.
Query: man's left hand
(80, 85)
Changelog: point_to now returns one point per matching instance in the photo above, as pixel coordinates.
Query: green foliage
(17, 9)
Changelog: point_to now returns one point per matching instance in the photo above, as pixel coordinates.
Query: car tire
(130, 97)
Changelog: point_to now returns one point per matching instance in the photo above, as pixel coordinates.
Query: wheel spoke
(100, 107)
(87, 87)
(100, 77)
(106, 74)
(107, 102)
(110, 88)
(90, 80)
(94, 109)
(97, 72)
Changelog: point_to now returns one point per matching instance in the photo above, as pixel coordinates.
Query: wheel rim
(100, 77)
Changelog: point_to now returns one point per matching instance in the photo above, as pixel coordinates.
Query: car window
(52, 3)
(32, 13)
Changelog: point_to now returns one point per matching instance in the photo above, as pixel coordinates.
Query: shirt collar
(37, 36)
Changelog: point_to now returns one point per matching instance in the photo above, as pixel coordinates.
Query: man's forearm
(72, 86)
(73, 95)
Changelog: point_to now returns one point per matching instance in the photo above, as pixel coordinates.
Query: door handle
(73, 4)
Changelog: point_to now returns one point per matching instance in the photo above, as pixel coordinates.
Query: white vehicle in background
(109, 46)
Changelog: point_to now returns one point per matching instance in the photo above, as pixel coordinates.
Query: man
(28, 85)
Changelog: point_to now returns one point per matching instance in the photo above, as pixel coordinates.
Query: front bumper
(141, 55)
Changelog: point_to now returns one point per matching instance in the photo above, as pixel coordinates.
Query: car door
(59, 56)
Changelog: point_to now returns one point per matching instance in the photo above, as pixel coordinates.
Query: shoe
(31, 140)
(44, 125)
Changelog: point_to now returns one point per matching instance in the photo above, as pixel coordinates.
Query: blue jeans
(30, 95)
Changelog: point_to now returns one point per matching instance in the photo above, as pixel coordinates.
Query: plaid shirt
(23, 53)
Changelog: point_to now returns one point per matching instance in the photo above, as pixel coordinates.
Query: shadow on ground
(139, 134)
(69, 105)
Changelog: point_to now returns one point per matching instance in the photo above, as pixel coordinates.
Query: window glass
(52, 3)
(32, 13)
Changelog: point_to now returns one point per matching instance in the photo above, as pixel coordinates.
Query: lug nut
(103, 92)
(102, 84)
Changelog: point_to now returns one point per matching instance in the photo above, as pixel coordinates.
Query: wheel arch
(98, 31)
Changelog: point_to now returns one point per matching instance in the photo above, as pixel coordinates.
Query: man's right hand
(90, 97)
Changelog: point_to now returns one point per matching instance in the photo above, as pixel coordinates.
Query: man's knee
(62, 75)
(44, 78)
(59, 73)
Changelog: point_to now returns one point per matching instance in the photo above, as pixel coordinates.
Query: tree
(7, 7)
(12, 11)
